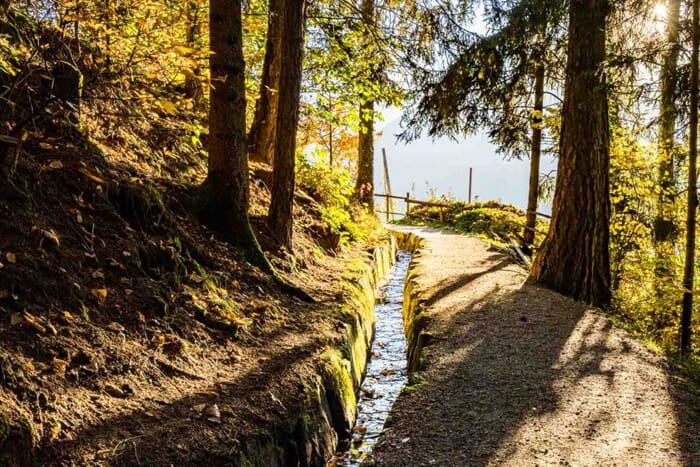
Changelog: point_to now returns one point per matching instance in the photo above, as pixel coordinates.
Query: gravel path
(518, 375)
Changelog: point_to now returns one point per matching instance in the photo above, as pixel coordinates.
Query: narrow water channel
(386, 371)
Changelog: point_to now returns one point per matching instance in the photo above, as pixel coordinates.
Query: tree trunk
(193, 83)
(261, 137)
(689, 273)
(535, 148)
(665, 231)
(575, 258)
(224, 194)
(364, 186)
(280, 215)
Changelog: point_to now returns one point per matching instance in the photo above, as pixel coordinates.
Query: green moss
(490, 220)
(332, 396)
(5, 427)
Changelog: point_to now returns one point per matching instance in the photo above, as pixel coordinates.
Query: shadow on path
(519, 375)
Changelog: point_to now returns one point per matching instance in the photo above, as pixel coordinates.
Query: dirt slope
(518, 375)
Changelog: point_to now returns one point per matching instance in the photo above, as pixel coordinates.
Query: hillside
(124, 320)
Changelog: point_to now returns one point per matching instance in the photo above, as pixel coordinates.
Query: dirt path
(518, 375)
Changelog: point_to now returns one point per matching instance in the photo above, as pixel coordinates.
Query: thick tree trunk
(574, 258)
(224, 194)
(281, 208)
(364, 186)
(261, 137)
(689, 273)
(535, 149)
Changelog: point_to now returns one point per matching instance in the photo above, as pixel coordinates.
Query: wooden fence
(389, 212)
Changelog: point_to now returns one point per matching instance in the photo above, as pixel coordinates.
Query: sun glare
(659, 17)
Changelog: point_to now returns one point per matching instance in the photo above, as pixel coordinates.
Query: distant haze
(443, 165)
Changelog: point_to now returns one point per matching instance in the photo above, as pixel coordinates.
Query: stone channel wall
(311, 437)
(414, 319)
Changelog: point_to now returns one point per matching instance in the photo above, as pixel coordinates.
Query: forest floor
(129, 333)
(519, 375)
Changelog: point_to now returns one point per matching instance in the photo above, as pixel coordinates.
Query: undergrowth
(332, 188)
(491, 220)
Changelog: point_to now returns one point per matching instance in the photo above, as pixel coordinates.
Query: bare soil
(123, 321)
(521, 376)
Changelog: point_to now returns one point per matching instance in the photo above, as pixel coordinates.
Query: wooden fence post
(408, 202)
(386, 204)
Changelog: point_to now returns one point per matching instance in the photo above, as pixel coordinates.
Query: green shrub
(332, 188)
(490, 219)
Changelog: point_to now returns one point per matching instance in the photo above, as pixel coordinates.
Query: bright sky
(443, 165)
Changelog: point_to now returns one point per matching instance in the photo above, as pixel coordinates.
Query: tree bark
(689, 272)
(193, 83)
(261, 137)
(665, 231)
(224, 195)
(575, 258)
(364, 186)
(280, 215)
(535, 149)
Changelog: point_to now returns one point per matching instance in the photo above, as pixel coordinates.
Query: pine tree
(225, 192)
(574, 258)
(261, 137)
(689, 272)
(364, 186)
(280, 215)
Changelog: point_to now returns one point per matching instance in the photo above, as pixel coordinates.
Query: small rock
(199, 408)
(213, 412)
(116, 327)
(113, 390)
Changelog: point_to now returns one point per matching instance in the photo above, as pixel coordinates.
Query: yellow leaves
(68, 317)
(100, 295)
(184, 51)
(161, 339)
(35, 322)
(11, 257)
(55, 164)
(167, 106)
(54, 431)
(60, 366)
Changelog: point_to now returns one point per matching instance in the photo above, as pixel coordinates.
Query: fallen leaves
(116, 327)
(211, 412)
(47, 234)
(11, 257)
(35, 322)
(60, 366)
(90, 175)
(54, 431)
(161, 339)
(100, 295)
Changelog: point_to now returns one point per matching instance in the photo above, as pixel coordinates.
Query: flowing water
(386, 371)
